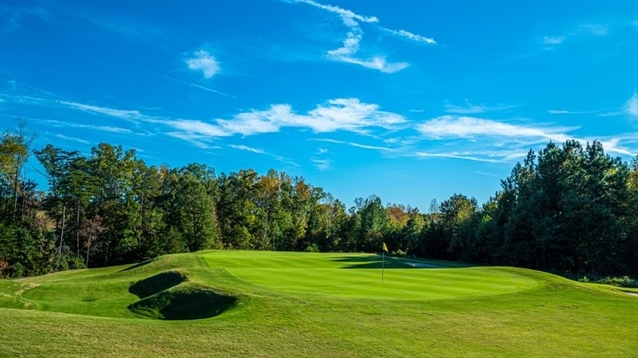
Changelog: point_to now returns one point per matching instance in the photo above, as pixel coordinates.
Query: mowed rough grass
(273, 304)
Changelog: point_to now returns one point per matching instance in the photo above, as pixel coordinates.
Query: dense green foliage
(293, 304)
(566, 209)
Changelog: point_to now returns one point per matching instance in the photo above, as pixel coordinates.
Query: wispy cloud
(485, 140)
(494, 141)
(630, 109)
(190, 84)
(470, 108)
(203, 61)
(409, 36)
(455, 155)
(12, 16)
(341, 114)
(612, 145)
(351, 44)
(247, 148)
(560, 111)
(346, 15)
(322, 164)
(109, 129)
(133, 116)
(129, 115)
(125, 28)
(197, 140)
(553, 40)
(487, 174)
(470, 127)
(594, 29)
(357, 145)
(197, 128)
(262, 152)
(591, 29)
(346, 53)
(61, 136)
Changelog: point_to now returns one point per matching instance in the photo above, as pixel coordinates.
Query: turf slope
(249, 303)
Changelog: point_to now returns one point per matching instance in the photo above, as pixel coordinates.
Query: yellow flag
(385, 248)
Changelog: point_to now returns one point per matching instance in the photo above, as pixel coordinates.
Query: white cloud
(347, 114)
(595, 29)
(553, 40)
(61, 136)
(203, 61)
(469, 127)
(631, 107)
(351, 44)
(110, 129)
(560, 111)
(611, 146)
(376, 63)
(262, 152)
(470, 108)
(190, 84)
(410, 36)
(129, 115)
(346, 15)
(487, 174)
(455, 155)
(583, 29)
(247, 148)
(322, 164)
(340, 114)
(357, 145)
(489, 140)
(197, 140)
(197, 127)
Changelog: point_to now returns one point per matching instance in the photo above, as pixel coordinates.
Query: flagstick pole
(382, 264)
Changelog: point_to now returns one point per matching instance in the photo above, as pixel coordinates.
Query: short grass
(273, 304)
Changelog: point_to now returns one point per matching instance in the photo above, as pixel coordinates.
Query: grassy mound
(158, 283)
(184, 302)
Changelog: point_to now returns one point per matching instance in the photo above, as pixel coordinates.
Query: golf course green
(273, 304)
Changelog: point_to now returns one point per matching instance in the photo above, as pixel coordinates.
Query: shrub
(312, 248)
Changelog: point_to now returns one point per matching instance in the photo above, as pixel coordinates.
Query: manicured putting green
(359, 275)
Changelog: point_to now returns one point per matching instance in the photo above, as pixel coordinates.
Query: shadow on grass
(158, 283)
(139, 264)
(391, 262)
(184, 302)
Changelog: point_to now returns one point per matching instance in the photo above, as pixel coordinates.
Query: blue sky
(409, 100)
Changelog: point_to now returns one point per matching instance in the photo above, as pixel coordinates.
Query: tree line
(566, 209)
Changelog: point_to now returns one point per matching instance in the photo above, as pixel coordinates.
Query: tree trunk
(22, 209)
(15, 195)
(264, 237)
(88, 249)
(62, 228)
(77, 229)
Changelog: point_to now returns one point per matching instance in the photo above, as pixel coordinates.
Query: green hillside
(255, 303)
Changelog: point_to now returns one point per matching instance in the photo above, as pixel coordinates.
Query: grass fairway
(272, 304)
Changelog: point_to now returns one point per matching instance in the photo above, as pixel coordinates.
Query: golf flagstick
(385, 249)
